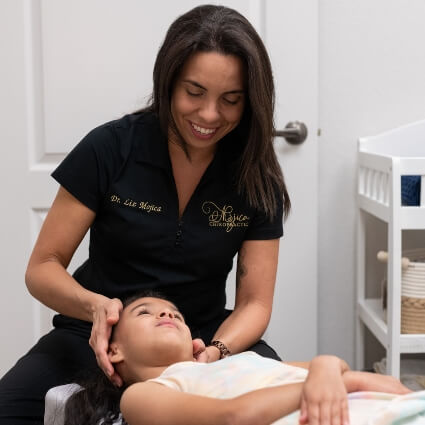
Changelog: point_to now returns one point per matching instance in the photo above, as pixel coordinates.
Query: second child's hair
(210, 28)
(98, 401)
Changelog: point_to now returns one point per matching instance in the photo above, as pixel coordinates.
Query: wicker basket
(413, 293)
(412, 315)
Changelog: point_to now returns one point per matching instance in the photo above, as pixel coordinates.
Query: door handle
(294, 133)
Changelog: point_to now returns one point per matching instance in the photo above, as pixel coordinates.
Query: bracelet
(224, 351)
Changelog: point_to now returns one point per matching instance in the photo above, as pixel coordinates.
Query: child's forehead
(150, 302)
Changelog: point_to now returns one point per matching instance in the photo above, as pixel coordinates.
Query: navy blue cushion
(410, 190)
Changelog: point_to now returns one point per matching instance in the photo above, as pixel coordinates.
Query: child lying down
(153, 351)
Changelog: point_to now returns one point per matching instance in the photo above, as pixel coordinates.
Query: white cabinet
(383, 159)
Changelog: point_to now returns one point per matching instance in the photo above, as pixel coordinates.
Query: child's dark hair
(98, 402)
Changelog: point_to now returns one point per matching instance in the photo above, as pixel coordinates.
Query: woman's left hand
(324, 396)
(208, 355)
(198, 348)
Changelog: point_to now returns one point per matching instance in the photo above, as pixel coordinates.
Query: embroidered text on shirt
(224, 217)
(141, 205)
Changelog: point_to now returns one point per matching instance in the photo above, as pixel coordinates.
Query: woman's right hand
(105, 316)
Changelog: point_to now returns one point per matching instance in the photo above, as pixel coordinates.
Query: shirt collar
(153, 148)
(152, 144)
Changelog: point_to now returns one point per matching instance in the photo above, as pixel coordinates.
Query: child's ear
(114, 353)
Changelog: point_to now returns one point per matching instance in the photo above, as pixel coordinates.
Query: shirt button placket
(179, 233)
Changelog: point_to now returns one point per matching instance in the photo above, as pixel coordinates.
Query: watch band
(224, 351)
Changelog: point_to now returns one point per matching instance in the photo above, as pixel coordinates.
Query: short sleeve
(262, 228)
(88, 170)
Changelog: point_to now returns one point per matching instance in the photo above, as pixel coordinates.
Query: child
(153, 351)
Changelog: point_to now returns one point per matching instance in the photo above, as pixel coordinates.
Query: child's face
(152, 332)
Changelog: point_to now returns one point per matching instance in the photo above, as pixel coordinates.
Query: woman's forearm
(255, 281)
(53, 286)
(46, 277)
(244, 327)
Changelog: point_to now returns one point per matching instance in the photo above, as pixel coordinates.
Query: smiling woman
(208, 100)
(170, 193)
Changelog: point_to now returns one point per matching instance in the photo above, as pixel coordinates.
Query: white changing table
(382, 160)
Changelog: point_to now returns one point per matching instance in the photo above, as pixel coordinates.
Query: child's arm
(365, 381)
(306, 365)
(153, 403)
(324, 395)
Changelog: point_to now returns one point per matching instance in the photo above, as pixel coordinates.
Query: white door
(72, 66)
(291, 34)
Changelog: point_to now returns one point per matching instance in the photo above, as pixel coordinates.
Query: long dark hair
(220, 29)
(98, 401)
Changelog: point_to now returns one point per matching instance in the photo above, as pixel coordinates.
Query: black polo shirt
(122, 171)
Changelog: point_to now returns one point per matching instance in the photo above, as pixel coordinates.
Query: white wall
(372, 78)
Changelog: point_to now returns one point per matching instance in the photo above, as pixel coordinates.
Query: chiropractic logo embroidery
(224, 217)
(141, 205)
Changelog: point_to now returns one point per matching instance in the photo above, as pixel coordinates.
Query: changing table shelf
(382, 161)
(372, 314)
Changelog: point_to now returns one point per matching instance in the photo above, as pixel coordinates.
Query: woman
(170, 194)
(241, 389)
